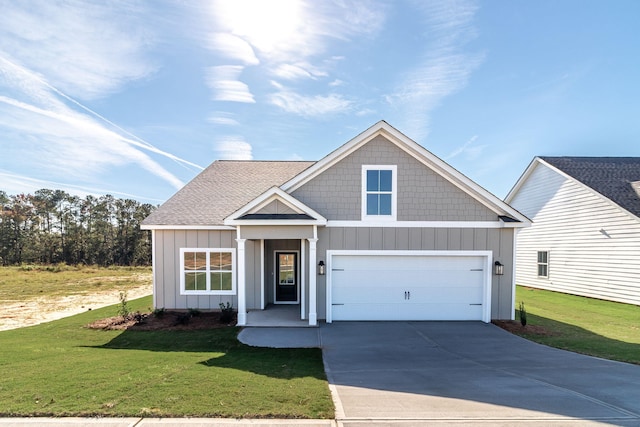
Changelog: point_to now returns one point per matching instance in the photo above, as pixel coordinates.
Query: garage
(408, 285)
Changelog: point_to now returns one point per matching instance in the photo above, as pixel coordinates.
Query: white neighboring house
(585, 237)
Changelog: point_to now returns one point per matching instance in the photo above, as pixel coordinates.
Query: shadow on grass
(574, 338)
(227, 351)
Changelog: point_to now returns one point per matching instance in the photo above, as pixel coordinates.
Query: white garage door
(409, 287)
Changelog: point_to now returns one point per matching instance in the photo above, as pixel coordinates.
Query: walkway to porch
(277, 316)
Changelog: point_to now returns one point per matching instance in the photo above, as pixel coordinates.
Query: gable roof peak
(615, 178)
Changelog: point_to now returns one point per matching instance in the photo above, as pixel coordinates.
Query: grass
(62, 368)
(584, 325)
(26, 282)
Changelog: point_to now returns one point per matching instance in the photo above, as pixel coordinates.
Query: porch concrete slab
(280, 337)
(385, 373)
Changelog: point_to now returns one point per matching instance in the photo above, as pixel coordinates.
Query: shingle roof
(617, 178)
(221, 189)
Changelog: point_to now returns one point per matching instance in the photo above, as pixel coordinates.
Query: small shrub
(523, 314)
(123, 306)
(194, 312)
(138, 317)
(226, 313)
(159, 312)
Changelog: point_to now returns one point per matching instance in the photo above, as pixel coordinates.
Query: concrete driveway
(460, 373)
(469, 373)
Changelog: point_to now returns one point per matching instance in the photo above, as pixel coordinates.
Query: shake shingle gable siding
(222, 188)
(617, 178)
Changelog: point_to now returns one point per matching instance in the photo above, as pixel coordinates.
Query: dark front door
(286, 278)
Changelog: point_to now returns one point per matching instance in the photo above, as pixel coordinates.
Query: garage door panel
(380, 311)
(368, 295)
(446, 294)
(407, 287)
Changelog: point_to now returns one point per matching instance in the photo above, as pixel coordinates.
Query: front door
(286, 280)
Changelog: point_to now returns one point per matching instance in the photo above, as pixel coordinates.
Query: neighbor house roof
(616, 178)
(223, 187)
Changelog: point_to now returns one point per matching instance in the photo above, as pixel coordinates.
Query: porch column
(313, 310)
(242, 303)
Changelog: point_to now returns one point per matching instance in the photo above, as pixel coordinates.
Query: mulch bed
(167, 321)
(515, 327)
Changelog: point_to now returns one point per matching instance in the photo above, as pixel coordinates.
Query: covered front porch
(287, 316)
(276, 237)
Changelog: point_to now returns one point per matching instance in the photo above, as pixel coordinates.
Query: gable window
(379, 192)
(543, 263)
(207, 271)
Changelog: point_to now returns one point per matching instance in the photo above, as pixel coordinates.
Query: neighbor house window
(379, 192)
(543, 264)
(207, 271)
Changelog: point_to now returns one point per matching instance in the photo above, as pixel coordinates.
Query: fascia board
(523, 178)
(185, 227)
(276, 222)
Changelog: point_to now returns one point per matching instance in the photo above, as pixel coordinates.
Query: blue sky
(135, 98)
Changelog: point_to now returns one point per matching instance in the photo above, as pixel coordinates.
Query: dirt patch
(168, 321)
(33, 312)
(516, 327)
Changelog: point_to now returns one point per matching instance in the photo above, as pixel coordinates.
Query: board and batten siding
(593, 245)
(497, 240)
(167, 269)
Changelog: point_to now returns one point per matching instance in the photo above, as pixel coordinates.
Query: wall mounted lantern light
(499, 270)
(321, 268)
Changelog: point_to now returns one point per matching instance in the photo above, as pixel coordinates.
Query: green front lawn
(62, 368)
(599, 328)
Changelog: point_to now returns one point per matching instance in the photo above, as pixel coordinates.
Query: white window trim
(538, 264)
(208, 251)
(394, 193)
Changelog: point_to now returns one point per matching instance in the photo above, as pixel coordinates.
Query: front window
(543, 264)
(207, 271)
(379, 192)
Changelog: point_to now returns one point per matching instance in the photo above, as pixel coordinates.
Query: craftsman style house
(379, 229)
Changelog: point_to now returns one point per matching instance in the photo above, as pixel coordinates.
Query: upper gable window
(379, 192)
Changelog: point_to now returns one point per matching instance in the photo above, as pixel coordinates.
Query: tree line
(52, 226)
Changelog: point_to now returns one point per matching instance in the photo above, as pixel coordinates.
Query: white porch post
(242, 303)
(313, 310)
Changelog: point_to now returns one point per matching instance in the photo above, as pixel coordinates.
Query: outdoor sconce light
(499, 268)
(321, 268)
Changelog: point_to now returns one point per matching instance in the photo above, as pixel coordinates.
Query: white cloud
(233, 48)
(223, 81)
(87, 49)
(222, 118)
(289, 38)
(468, 149)
(310, 106)
(444, 69)
(233, 148)
(298, 71)
(50, 136)
(69, 144)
